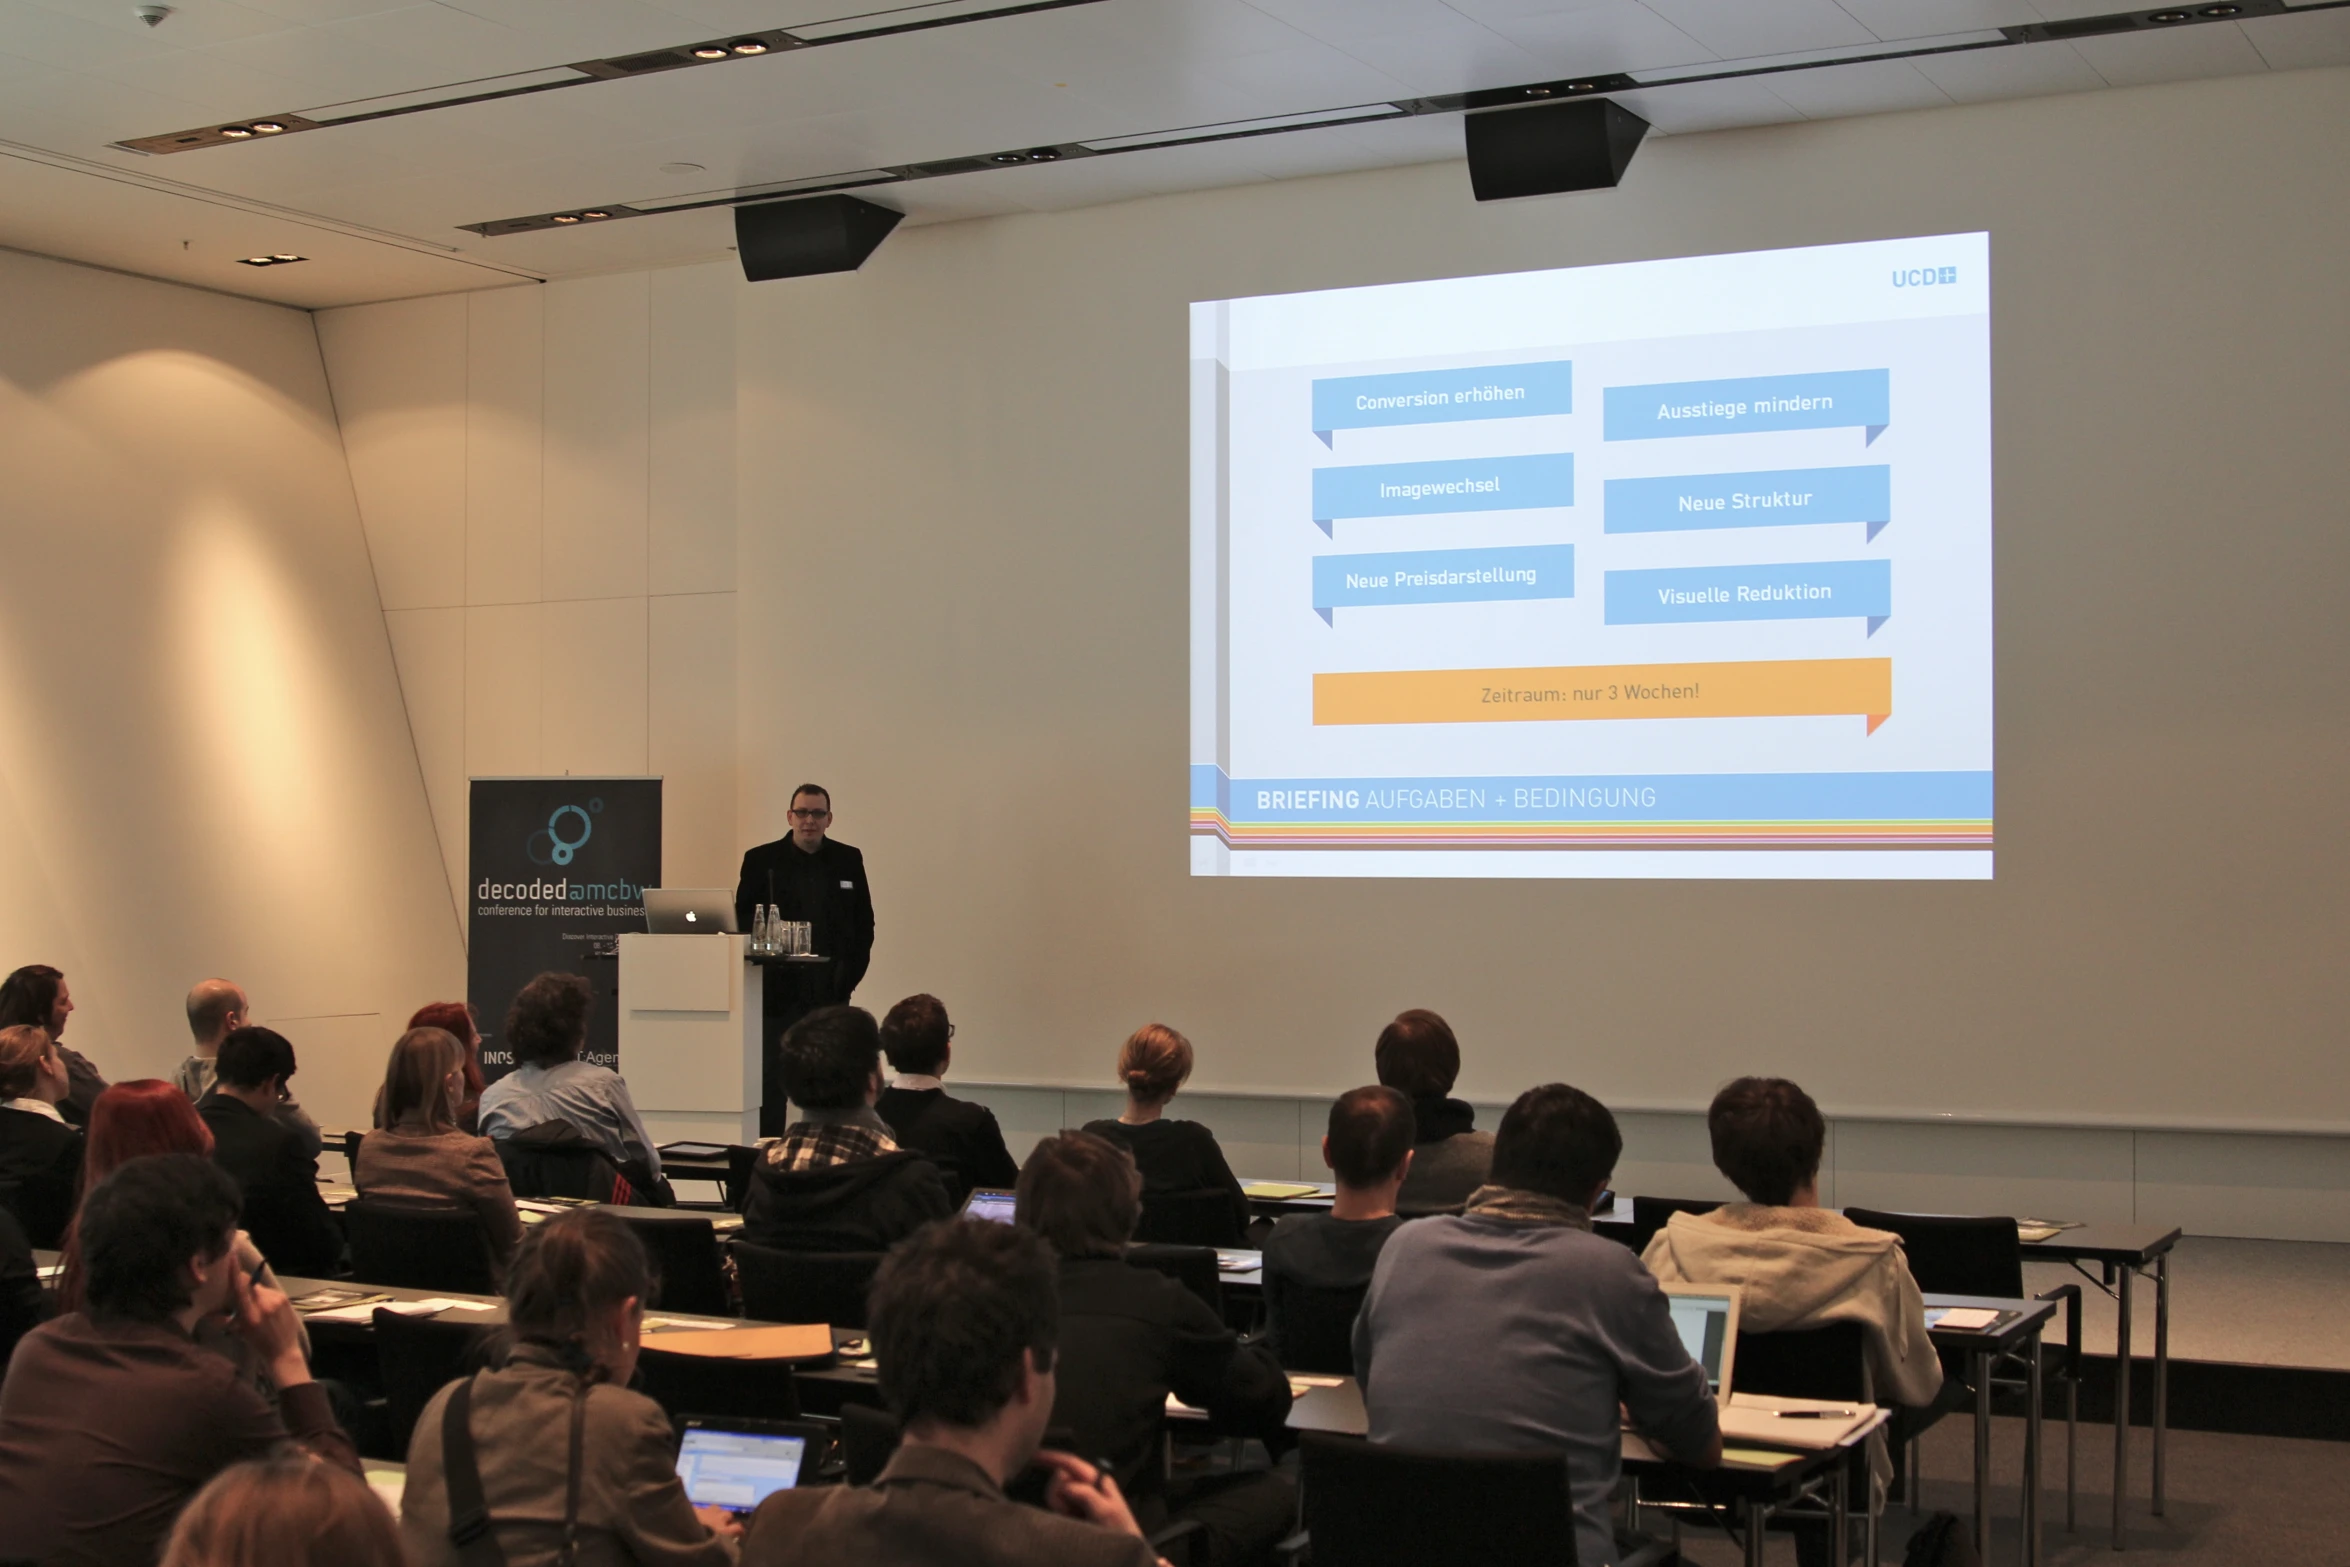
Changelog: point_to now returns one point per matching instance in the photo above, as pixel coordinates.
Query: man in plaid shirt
(837, 1180)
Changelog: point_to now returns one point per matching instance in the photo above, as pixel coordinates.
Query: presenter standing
(807, 876)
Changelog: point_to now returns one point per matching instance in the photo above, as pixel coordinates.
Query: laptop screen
(993, 1205)
(738, 1469)
(1703, 1322)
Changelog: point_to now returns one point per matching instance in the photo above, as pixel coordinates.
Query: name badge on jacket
(848, 886)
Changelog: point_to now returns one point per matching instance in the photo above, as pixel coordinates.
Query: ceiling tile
(1458, 58)
(2295, 43)
(321, 66)
(1735, 29)
(1600, 39)
(211, 88)
(1882, 87)
(450, 45)
(2019, 71)
(2134, 59)
(1708, 106)
(1345, 22)
(1908, 19)
(190, 26)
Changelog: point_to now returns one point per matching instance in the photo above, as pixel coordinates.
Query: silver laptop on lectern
(689, 911)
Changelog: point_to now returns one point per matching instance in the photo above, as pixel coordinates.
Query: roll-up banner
(559, 870)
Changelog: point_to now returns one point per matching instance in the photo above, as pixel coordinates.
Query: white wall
(547, 480)
(964, 606)
(208, 771)
(959, 553)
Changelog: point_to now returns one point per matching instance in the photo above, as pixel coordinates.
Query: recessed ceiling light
(255, 261)
(236, 132)
(748, 46)
(1043, 154)
(597, 212)
(1537, 92)
(1006, 157)
(2169, 16)
(710, 52)
(267, 127)
(281, 256)
(567, 217)
(2221, 10)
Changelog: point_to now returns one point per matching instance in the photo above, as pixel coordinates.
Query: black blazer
(1177, 1156)
(826, 888)
(284, 1212)
(40, 1166)
(960, 1136)
(24, 1305)
(1130, 1336)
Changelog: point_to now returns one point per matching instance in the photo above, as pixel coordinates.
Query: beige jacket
(632, 1508)
(1805, 1268)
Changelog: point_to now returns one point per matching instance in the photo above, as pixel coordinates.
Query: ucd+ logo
(554, 843)
(1923, 277)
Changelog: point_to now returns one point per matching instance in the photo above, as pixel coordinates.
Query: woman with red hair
(456, 1019)
(131, 1120)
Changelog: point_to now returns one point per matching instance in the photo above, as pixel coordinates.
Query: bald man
(216, 1008)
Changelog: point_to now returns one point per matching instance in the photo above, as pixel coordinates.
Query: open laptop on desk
(737, 1464)
(689, 911)
(990, 1203)
(1706, 1316)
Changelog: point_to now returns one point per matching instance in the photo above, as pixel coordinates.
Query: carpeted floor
(2234, 1501)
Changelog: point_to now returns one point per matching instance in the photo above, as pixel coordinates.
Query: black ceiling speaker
(815, 234)
(1583, 144)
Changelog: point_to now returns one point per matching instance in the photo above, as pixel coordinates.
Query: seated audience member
(457, 1020)
(1799, 1265)
(114, 1415)
(216, 1009)
(1512, 1328)
(40, 1156)
(960, 1136)
(417, 1156)
(24, 1305)
(965, 1320)
(1369, 1148)
(285, 1511)
(546, 1027)
(277, 1173)
(1174, 1156)
(1418, 1057)
(837, 1180)
(37, 995)
(1132, 1335)
(554, 1442)
(135, 1120)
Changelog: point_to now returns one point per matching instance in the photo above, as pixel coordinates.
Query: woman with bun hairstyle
(569, 1464)
(1174, 1156)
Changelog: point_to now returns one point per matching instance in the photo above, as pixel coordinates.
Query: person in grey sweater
(1512, 1328)
(1418, 1057)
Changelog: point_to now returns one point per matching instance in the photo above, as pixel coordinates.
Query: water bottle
(774, 931)
(759, 931)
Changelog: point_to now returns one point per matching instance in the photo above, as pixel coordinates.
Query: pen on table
(1813, 1414)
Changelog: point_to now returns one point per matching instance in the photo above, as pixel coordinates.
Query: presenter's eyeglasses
(799, 815)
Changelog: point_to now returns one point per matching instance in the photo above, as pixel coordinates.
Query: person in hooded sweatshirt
(1800, 1265)
(1418, 1057)
(837, 1180)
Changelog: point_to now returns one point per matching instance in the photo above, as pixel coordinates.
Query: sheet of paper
(366, 1310)
(445, 1303)
(1963, 1319)
(1275, 1191)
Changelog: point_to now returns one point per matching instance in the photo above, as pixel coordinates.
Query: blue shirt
(1488, 1335)
(592, 1098)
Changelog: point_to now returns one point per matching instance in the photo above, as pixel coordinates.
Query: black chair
(351, 1154)
(417, 1357)
(686, 1261)
(868, 1436)
(1649, 1215)
(420, 1248)
(1371, 1505)
(1984, 1256)
(805, 1286)
(552, 1159)
(1826, 1362)
(1316, 1326)
(703, 1385)
(1193, 1267)
(1200, 1218)
(741, 1161)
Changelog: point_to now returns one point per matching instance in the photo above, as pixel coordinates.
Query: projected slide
(1674, 568)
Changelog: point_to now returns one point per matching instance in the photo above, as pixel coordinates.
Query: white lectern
(689, 1036)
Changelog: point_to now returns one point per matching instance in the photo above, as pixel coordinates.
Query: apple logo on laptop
(689, 916)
